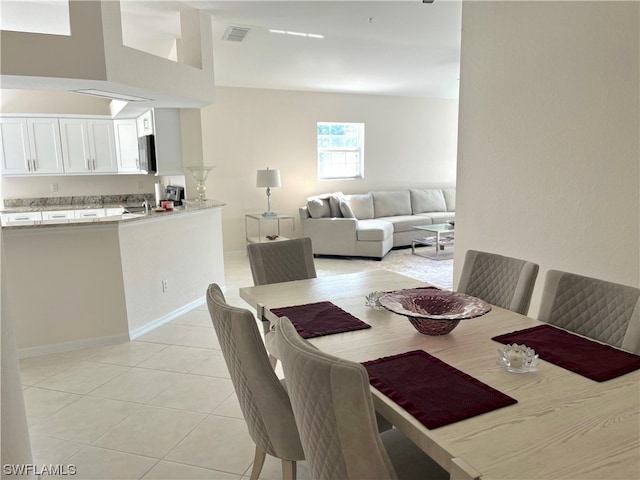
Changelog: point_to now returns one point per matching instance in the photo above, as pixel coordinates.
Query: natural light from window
(340, 150)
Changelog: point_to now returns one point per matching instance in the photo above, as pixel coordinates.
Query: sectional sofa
(371, 224)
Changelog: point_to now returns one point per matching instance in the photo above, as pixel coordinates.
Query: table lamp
(268, 178)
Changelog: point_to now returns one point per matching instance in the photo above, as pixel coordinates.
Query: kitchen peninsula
(78, 285)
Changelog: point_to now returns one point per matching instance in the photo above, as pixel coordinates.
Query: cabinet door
(103, 146)
(75, 145)
(14, 146)
(44, 143)
(126, 133)
(26, 218)
(145, 124)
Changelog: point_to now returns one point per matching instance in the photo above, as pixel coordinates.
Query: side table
(267, 225)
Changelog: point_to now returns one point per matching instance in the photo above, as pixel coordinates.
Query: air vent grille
(235, 34)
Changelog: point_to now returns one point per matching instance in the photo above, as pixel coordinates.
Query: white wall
(549, 151)
(64, 285)
(408, 142)
(185, 250)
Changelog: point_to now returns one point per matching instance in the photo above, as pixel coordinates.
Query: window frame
(359, 150)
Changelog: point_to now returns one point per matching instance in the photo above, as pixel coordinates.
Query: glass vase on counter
(200, 174)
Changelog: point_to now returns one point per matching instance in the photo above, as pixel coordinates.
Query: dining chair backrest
(602, 310)
(263, 400)
(502, 281)
(333, 407)
(281, 261)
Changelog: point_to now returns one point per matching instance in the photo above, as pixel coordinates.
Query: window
(340, 150)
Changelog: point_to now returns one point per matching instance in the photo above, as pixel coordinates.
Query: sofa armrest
(304, 213)
(331, 236)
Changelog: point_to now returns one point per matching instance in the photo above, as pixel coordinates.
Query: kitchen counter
(188, 207)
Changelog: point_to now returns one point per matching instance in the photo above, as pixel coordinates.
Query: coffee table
(438, 230)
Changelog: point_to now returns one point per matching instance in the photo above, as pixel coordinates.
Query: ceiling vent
(235, 34)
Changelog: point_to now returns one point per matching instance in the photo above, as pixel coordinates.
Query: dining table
(562, 425)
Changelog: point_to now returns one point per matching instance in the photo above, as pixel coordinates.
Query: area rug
(435, 272)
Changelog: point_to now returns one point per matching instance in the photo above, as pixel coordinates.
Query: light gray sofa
(371, 224)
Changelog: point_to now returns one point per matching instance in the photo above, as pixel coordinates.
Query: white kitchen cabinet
(126, 133)
(57, 216)
(89, 214)
(24, 218)
(145, 124)
(30, 146)
(88, 146)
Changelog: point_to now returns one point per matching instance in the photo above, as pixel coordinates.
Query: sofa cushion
(334, 204)
(319, 207)
(373, 230)
(387, 204)
(345, 209)
(450, 198)
(361, 205)
(404, 223)
(427, 200)
(437, 217)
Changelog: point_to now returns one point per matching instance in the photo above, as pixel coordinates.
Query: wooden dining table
(563, 426)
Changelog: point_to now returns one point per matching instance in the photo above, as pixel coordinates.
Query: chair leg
(258, 462)
(288, 470)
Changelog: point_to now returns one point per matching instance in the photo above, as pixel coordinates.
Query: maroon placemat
(321, 318)
(575, 353)
(431, 390)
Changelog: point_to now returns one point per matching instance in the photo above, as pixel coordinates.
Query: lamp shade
(268, 178)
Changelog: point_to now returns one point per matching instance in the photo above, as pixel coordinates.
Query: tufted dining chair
(281, 261)
(275, 262)
(605, 311)
(263, 399)
(332, 404)
(502, 281)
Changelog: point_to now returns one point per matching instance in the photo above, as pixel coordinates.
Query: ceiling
(399, 47)
(403, 48)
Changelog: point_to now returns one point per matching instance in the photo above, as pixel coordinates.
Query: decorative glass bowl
(432, 311)
(373, 300)
(518, 358)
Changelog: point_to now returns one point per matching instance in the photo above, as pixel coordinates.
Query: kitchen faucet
(145, 204)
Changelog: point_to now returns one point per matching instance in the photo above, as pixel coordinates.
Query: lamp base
(269, 214)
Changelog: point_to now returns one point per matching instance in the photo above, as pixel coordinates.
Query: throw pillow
(334, 204)
(319, 207)
(345, 209)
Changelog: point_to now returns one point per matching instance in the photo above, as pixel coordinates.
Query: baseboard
(72, 345)
(108, 339)
(133, 334)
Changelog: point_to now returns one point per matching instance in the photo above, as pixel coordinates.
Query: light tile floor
(159, 407)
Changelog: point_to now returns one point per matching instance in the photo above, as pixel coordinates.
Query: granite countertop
(127, 201)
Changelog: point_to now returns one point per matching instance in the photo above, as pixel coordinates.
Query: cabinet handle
(94, 164)
(35, 165)
(88, 164)
(28, 164)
